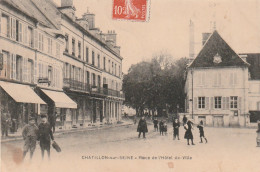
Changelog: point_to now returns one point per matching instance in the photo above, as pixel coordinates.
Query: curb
(17, 138)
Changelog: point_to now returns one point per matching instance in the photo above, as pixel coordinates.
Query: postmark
(133, 10)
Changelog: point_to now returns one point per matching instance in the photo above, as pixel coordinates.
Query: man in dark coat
(142, 127)
(30, 134)
(188, 134)
(176, 126)
(161, 127)
(52, 121)
(5, 122)
(155, 123)
(45, 136)
(184, 120)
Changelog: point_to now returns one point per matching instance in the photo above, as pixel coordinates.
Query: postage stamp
(135, 10)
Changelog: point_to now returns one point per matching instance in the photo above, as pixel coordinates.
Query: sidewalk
(18, 135)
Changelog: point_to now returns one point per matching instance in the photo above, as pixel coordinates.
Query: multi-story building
(51, 62)
(218, 85)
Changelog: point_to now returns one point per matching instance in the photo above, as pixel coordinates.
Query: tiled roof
(254, 69)
(44, 11)
(217, 53)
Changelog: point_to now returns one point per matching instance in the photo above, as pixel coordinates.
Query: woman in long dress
(188, 134)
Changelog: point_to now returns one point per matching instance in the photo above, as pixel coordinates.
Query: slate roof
(254, 69)
(44, 11)
(215, 45)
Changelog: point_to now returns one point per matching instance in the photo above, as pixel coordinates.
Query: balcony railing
(80, 86)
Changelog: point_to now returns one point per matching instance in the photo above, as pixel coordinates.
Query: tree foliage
(156, 85)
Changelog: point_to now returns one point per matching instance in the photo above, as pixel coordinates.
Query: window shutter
(212, 103)
(70, 74)
(239, 103)
(20, 38)
(224, 105)
(35, 72)
(14, 29)
(8, 27)
(207, 103)
(195, 103)
(25, 38)
(35, 39)
(227, 103)
(14, 65)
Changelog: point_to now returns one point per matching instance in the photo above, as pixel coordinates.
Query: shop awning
(21, 93)
(60, 99)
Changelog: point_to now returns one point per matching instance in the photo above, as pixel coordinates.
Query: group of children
(32, 133)
(188, 126)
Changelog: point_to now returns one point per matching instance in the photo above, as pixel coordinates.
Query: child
(45, 136)
(201, 129)
(155, 123)
(161, 127)
(30, 133)
(176, 126)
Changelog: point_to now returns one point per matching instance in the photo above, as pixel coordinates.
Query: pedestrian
(161, 127)
(176, 126)
(184, 120)
(5, 122)
(165, 127)
(30, 134)
(201, 129)
(45, 135)
(188, 134)
(142, 127)
(52, 121)
(155, 124)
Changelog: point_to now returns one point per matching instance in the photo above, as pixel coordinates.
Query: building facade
(51, 62)
(218, 85)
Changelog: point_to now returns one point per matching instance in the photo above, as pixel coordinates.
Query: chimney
(68, 8)
(111, 36)
(90, 18)
(205, 37)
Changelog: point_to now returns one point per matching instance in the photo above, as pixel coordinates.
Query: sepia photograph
(130, 85)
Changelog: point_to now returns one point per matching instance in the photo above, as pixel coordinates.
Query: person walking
(45, 135)
(30, 134)
(5, 123)
(155, 124)
(165, 127)
(188, 134)
(176, 126)
(142, 127)
(184, 120)
(52, 121)
(161, 128)
(201, 129)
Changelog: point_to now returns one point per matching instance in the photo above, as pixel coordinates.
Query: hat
(43, 116)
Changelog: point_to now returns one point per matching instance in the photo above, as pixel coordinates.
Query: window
(67, 43)
(4, 72)
(104, 80)
(30, 71)
(99, 81)
(119, 69)
(73, 47)
(57, 50)
(50, 72)
(73, 72)
(93, 58)
(88, 77)
(115, 70)
(233, 102)
(49, 45)
(79, 49)
(30, 36)
(87, 55)
(93, 79)
(41, 42)
(217, 102)
(5, 25)
(109, 66)
(233, 78)
(201, 102)
(104, 63)
(98, 59)
(112, 67)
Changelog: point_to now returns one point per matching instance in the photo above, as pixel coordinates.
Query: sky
(237, 21)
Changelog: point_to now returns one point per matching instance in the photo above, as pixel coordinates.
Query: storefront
(20, 101)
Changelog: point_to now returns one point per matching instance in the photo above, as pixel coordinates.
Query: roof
(44, 11)
(254, 69)
(217, 53)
